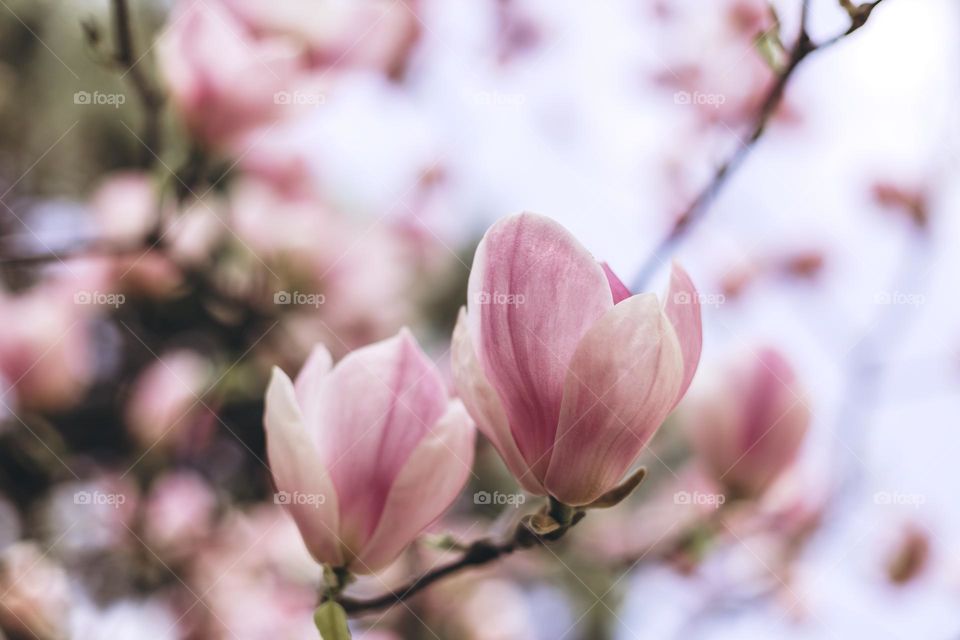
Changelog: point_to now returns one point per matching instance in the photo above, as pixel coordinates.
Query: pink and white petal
(682, 306)
(296, 469)
(623, 381)
(308, 385)
(376, 406)
(534, 291)
(426, 487)
(483, 404)
(617, 288)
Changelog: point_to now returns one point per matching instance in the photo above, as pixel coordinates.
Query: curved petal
(374, 409)
(533, 293)
(303, 485)
(619, 290)
(430, 481)
(682, 306)
(484, 405)
(623, 381)
(309, 382)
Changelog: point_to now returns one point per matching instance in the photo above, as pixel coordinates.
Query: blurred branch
(150, 97)
(89, 250)
(697, 209)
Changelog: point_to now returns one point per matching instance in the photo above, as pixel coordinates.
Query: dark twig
(150, 97)
(479, 553)
(696, 210)
(482, 552)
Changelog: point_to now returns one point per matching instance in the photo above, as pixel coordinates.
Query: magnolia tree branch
(550, 524)
(477, 554)
(696, 210)
(150, 97)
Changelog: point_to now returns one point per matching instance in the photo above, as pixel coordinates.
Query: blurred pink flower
(224, 81)
(374, 34)
(34, 593)
(566, 372)
(178, 514)
(748, 427)
(366, 454)
(45, 353)
(256, 578)
(166, 397)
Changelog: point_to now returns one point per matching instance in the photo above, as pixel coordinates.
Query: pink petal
(308, 385)
(296, 468)
(484, 405)
(617, 288)
(426, 486)
(772, 422)
(622, 384)
(376, 406)
(682, 306)
(533, 293)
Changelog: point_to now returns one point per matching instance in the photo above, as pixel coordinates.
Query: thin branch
(150, 97)
(479, 553)
(80, 251)
(529, 533)
(697, 209)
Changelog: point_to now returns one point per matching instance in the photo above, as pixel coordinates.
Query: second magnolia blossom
(747, 427)
(366, 454)
(566, 372)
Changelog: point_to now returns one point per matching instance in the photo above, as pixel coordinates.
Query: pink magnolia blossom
(223, 80)
(748, 426)
(366, 454)
(167, 398)
(565, 372)
(376, 34)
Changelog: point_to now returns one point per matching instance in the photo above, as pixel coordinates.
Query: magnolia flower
(564, 371)
(366, 454)
(223, 81)
(748, 426)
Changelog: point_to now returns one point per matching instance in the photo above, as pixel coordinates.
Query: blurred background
(194, 191)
